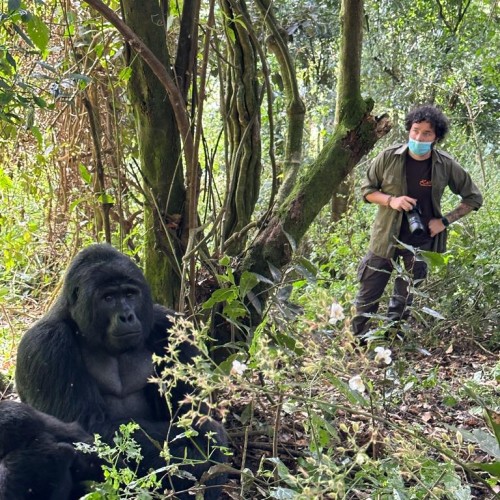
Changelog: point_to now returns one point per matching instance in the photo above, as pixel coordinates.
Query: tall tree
(160, 153)
(303, 195)
(356, 131)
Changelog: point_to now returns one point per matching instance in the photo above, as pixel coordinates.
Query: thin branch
(161, 73)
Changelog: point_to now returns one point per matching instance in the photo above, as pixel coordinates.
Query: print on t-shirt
(419, 185)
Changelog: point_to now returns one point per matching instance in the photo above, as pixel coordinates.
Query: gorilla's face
(118, 314)
(115, 316)
(109, 300)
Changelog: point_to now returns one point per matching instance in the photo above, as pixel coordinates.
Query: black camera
(415, 222)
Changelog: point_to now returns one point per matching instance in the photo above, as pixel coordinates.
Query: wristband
(389, 201)
(445, 221)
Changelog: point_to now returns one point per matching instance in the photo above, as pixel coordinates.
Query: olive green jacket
(387, 174)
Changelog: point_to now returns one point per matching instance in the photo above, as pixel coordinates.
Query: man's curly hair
(430, 114)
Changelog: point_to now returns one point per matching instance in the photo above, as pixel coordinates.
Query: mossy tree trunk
(242, 112)
(355, 133)
(160, 155)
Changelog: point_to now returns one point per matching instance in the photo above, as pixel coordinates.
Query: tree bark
(355, 134)
(242, 110)
(160, 155)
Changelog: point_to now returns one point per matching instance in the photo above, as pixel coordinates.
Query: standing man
(400, 179)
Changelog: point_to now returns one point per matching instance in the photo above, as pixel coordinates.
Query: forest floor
(442, 394)
(445, 391)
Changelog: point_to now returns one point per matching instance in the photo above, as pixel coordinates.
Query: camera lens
(415, 222)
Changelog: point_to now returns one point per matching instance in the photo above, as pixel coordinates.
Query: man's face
(422, 132)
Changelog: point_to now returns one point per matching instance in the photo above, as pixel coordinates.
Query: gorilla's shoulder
(163, 319)
(50, 328)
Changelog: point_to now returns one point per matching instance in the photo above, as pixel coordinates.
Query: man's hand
(401, 203)
(436, 226)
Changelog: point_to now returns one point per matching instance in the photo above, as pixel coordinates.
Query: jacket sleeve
(461, 183)
(373, 177)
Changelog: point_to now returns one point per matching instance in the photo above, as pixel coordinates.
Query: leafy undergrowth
(310, 415)
(321, 419)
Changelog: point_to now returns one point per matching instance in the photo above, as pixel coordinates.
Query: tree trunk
(242, 110)
(355, 134)
(160, 155)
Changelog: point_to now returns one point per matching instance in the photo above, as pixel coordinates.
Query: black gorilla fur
(89, 359)
(37, 457)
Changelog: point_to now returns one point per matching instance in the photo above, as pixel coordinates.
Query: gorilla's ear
(74, 296)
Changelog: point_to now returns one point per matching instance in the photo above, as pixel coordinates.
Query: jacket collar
(402, 149)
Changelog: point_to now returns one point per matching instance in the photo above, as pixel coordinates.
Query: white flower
(336, 313)
(383, 355)
(356, 384)
(238, 368)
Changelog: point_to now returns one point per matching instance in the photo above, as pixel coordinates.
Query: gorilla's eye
(108, 298)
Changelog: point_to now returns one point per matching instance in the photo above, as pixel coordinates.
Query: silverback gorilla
(90, 357)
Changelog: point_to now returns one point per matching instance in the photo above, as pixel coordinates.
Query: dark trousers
(373, 275)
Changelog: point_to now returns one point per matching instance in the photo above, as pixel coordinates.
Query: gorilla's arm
(51, 376)
(159, 340)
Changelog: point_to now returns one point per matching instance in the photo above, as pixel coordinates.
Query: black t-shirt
(419, 184)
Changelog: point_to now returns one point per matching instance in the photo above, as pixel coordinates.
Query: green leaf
(432, 313)
(275, 272)
(125, 74)
(486, 441)
(289, 343)
(38, 32)
(433, 259)
(257, 334)
(78, 76)
(47, 66)
(23, 35)
(10, 59)
(281, 493)
(106, 199)
(307, 269)
(291, 240)
(39, 101)
(283, 471)
(492, 468)
(353, 396)
(234, 310)
(85, 174)
(225, 261)
(221, 295)
(247, 281)
(37, 134)
(493, 420)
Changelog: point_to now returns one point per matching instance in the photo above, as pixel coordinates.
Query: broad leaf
(38, 32)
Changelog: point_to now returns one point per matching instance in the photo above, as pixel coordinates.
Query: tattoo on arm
(459, 212)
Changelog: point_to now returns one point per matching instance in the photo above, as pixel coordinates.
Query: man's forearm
(459, 212)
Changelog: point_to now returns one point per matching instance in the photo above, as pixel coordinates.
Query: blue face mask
(419, 148)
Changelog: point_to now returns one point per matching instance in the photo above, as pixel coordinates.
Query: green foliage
(121, 462)
(23, 33)
(232, 295)
(345, 409)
